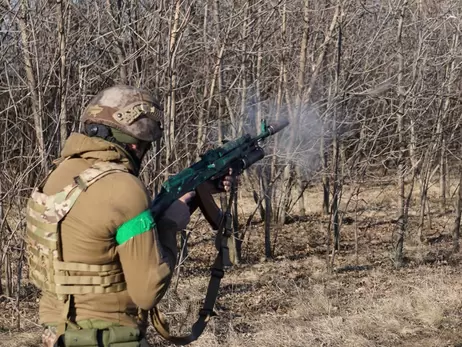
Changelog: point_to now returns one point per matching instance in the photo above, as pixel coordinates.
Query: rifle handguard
(252, 158)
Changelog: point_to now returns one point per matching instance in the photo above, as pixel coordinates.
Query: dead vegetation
(295, 300)
(372, 90)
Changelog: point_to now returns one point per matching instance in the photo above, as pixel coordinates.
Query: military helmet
(127, 111)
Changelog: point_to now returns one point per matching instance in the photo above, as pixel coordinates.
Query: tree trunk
(31, 82)
(238, 124)
(262, 170)
(337, 177)
(201, 121)
(443, 172)
(401, 223)
(325, 173)
(301, 101)
(176, 32)
(268, 211)
(280, 216)
(336, 191)
(116, 38)
(457, 220)
(446, 108)
(456, 228)
(1, 236)
(60, 14)
(216, 16)
(8, 276)
(171, 97)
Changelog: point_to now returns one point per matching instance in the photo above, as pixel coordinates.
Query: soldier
(94, 248)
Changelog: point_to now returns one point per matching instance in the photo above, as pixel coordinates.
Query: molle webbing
(46, 268)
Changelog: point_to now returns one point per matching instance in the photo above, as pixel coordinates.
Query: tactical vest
(50, 273)
(47, 270)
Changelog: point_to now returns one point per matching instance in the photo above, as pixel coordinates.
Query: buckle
(80, 183)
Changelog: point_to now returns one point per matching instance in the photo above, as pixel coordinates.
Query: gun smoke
(299, 144)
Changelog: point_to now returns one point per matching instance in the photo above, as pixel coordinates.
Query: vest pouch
(123, 337)
(81, 338)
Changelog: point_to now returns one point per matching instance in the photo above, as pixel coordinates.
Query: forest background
(363, 185)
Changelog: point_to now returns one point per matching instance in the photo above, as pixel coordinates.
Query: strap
(66, 285)
(41, 240)
(65, 200)
(98, 289)
(161, 325)
(64, 321)
(88, 280)
(35, 206)
(97, 171)
(217, 273)
(47, 227)
(39, 277)
(100, 269)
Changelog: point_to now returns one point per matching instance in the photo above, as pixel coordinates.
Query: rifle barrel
(275, 127)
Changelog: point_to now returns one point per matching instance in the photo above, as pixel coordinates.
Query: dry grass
(294, 301)
(297, 303)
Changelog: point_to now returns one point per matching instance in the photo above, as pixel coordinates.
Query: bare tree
(402, 217)
(372, 93)
(61, 10)
(36, 98)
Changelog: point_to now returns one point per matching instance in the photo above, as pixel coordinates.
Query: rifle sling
(217, 273)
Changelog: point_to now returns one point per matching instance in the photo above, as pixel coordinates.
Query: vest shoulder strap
(58, 205)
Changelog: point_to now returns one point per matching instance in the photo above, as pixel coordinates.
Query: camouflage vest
(47, 270)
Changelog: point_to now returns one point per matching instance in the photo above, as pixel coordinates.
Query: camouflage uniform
(93, 246)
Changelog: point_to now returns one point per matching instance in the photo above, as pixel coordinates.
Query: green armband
(135, 226)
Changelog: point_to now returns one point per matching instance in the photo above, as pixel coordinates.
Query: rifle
(237, 155)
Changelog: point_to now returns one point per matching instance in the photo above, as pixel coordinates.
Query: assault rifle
(237, 155)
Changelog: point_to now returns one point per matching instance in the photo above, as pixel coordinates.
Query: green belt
(98, 334)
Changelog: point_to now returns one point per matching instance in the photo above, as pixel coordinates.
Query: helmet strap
(104, 132)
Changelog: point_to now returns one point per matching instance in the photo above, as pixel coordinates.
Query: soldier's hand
(177, 216)
(48, 338)
(187, 197)
(227, 181)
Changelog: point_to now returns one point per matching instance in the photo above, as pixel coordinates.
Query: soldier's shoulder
(122, 187)
(124, 181)
(119, 194)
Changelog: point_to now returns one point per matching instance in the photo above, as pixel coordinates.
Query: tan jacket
(88, 236)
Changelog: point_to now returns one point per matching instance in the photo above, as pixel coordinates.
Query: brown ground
(293, 300)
